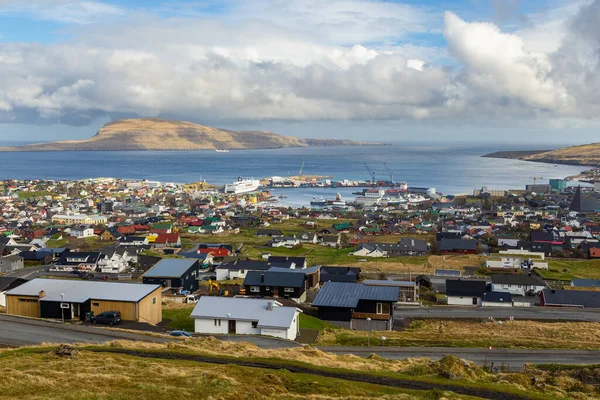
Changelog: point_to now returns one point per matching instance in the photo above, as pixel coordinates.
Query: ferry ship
(242, 185)
(222, 150)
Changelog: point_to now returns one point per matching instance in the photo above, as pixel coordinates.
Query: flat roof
(81, 291)
(170, 268)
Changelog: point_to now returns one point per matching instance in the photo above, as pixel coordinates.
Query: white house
(82, 232)
(243, 316)
(285, 241)
(517, 284)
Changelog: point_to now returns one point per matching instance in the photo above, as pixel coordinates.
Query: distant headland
(587, 154)
(161, 134)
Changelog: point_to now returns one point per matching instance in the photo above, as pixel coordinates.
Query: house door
(474, 301)
(231, 326)
(275, 292)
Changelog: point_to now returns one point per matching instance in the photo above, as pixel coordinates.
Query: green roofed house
(342, 226)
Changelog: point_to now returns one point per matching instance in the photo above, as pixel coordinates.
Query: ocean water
(451, 169)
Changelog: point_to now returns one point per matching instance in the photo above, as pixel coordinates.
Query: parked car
(107, 318)
(180, 334)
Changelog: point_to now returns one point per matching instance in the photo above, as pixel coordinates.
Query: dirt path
(349, 376)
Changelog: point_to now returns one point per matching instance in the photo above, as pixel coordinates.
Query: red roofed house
(126, 230)
(594, 252)
(167, 240)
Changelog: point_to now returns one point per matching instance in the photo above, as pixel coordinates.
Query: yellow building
(71, 299)
(79, 219)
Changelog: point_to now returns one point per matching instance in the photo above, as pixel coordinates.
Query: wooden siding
(150, 308)
(127, 309)
(25, 306)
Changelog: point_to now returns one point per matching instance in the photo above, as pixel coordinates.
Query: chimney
(42, 294)
(270, 305)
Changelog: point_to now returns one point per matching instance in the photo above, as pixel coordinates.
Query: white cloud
(70, 11)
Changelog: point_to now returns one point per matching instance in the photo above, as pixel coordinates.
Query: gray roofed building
(346, 294)
(170, 267)
(570, 298)
(81, 291)
(514, 279)
(578, 282)
(274, 278)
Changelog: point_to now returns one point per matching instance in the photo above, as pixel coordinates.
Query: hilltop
(160, 134)
(587, 154)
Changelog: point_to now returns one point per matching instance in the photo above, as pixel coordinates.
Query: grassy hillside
(588, 154)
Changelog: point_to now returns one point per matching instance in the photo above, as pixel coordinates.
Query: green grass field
(568, 269)
(179, 317)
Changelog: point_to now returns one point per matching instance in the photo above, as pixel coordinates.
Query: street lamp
(228, 315)
(369, 334)
(62, 310)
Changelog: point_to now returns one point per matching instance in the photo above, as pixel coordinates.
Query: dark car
(107, 317)
(180, 334)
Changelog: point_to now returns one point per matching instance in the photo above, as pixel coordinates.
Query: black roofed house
(569, 298)
(339, 274)
(299, 262)
(461, 246)
(579, 282)
(517, 284)
(276, 284)
(412, 247)
(7, 283)
(330, 240)
(174, 273)
(465, 292)
(308, 237)
(268, 232)
(78, 261)
(350, 304)
(497, 299)
(39, 257)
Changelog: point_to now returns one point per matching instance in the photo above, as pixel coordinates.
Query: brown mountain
(587, 154)
(160, 134)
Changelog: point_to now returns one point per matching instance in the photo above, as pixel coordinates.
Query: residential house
(167, 240)
(517, 284)
(7, 283)
(72, 300)
(308, 237)
(78, 261)
(82, 232)
(339, 274)
(465, 292)
(40, 257)
(356, 305)
(11, 263)
(330, 240)
(276, 284)
(268, 232)
(407, 290)
(174, 273)
(460, 246)
(243, 316)
(239, 268)
(578, 282)
(285, 241)
(497, 299)
(133, 241)
(279, 261)
(369, 250)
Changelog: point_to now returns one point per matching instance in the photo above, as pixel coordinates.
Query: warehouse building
(55, 298)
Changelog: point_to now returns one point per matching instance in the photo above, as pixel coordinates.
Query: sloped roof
(170, 268)
(571, 298)
(347, 294)
(459, 287)
(274, 278)
(246, 310)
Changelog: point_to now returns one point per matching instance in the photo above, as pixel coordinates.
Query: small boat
(283, 196)
(319, 203)
(222, 150)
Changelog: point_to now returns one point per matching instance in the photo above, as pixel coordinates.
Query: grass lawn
(57, 243)
(310, 322)
(449, 333)
(179, 314)
(568, 269)
(32, 195)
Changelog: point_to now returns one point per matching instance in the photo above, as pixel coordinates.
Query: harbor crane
(301, 168)
(536, 178)
(389, 172)
(370, 173)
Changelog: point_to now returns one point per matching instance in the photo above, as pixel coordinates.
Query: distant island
(161, 134)
(587, 154)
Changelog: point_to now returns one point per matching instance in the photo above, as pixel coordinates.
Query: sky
(515, 71)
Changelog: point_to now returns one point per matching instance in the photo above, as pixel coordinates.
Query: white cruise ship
(242, 185)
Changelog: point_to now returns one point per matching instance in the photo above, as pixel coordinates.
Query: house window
(267, 288)
(96, 304)
(379, 308)
(28, 300)
(288, 290)
(154, 300)
(254, 324)
(254, 289)
(217, 322)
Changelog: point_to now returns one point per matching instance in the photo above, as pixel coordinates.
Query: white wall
(207, 325)
(222, 274)
(2, 299)
(462, 301)
(496, 304)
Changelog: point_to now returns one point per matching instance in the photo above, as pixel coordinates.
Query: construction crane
(389, 172)
(301, 168)
(370, 173)
(536, 178)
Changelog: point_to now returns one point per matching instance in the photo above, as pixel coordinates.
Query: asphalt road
(513, 358)
(15, 331)
(525, 313)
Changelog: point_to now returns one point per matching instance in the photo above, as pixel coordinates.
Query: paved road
(531, 313)
(514, 358)
(29, 272)
(15, 331)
